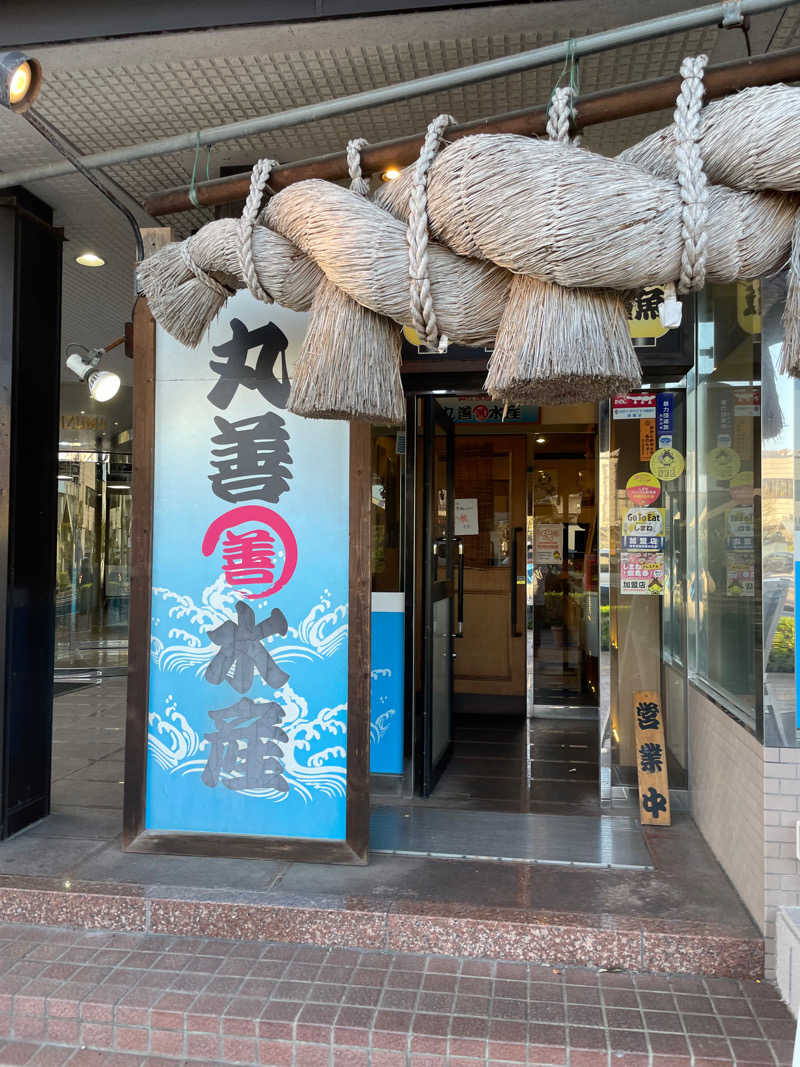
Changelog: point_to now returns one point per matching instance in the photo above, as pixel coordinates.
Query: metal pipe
(114, 193)
(712, 14)
(605, 106)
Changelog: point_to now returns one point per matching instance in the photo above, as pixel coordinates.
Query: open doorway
(500, 576)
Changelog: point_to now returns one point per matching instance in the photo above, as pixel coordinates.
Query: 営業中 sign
(651, 760)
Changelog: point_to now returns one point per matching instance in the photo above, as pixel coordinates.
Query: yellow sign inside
(666, 464)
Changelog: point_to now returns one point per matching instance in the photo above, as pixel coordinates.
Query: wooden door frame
(136, 837)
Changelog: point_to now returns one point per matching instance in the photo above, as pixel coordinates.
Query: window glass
(727, 512)
(388, 454)
(779, 521)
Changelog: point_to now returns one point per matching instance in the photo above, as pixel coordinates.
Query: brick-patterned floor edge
(109, 998)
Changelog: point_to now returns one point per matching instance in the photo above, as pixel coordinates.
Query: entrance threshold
(516, 837)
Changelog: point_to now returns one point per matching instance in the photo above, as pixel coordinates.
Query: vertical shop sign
(665, 419)
(647, 439)
(651, 760)
(249, 669)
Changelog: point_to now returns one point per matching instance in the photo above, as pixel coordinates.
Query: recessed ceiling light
(90, 259)
(391, 174)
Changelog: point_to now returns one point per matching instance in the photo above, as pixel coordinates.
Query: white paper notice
(548, 542)
(466, 517)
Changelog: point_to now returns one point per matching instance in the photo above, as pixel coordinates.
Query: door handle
(513, 578)
(460, 609)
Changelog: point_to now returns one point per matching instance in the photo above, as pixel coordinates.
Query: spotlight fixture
(20, 80)
(391, 174)
(103, 384)
(90, 259)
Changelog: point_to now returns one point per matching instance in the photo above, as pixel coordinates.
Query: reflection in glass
(779, 523)
(728, 505)
(93, 561)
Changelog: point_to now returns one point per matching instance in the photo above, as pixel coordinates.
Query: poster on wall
(643, 529)
(548, 543)
(249, 638)
(466, 516)
(641, 573)
(634, 406)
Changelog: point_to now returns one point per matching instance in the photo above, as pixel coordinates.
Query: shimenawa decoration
(532, 248)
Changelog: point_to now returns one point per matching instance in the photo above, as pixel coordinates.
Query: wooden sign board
(651, 760)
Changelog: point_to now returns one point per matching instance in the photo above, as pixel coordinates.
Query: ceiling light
(103, 384)
(90, 259)
(541, 440)
(391, 174)
(20, 79)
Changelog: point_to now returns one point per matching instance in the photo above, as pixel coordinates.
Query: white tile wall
(746, 802)
(727, 776)
(781, 866)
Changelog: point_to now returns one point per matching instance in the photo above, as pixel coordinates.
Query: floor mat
(578, 840)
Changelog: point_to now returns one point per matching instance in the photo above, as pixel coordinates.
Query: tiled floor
(88, 747)
(69, 869)
(119, 998)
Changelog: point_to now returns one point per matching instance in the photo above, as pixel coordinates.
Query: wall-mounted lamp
(20, 80)
(103, 384)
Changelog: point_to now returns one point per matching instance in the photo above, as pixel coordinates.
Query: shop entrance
(507, 643)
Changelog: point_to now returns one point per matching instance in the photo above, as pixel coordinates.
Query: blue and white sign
(248, 670)
(387, 684)
(665, 419)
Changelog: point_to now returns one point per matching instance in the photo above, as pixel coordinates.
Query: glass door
(440, 552)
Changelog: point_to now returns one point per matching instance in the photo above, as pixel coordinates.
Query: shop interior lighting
(541, 440)
(391, 174)
(90, 259)
(103, 384)
(20, 80)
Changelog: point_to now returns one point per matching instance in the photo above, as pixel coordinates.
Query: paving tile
(340, 1007)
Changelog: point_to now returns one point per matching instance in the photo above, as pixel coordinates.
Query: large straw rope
(498, 203)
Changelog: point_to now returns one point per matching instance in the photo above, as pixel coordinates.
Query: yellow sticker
(722, 462)
(666, 464)
(643, 489)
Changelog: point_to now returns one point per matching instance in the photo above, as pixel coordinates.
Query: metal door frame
(432, 417)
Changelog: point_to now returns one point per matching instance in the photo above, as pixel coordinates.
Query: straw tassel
(790, 358)
(349, 365)
(561, 346)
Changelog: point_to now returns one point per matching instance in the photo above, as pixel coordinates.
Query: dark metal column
(30, 339)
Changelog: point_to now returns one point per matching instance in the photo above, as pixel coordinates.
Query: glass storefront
(744, 510)
(93, 562)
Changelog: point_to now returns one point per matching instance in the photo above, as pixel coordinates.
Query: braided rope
(358, 183)
(691, 176)
(201, 275)
(558, 114)
(247, 224)
(423, 316)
